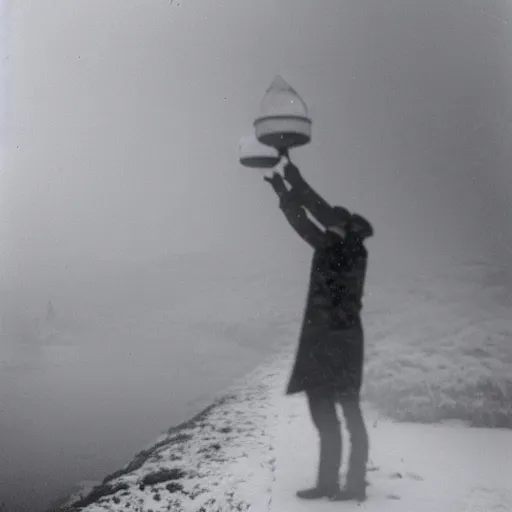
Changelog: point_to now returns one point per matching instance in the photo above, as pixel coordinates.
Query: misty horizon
(122, 137)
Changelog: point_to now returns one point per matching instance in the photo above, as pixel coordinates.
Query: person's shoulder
(361, 250)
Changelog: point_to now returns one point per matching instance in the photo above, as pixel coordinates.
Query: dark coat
(331, 345)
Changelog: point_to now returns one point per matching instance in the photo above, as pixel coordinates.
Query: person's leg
(356, 476)
(323, 413)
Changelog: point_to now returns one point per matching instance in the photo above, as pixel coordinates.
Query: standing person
(329, 361)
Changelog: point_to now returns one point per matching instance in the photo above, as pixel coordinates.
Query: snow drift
(254, 447)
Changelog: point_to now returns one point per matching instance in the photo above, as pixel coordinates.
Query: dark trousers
(322, 405)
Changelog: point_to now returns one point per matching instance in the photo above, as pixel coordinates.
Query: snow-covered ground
(254, 448)
(421, 468)
(223, 459)
(158, 357)
(438, 349)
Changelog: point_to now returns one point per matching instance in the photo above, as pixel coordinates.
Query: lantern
(283, 121)
(253, 153)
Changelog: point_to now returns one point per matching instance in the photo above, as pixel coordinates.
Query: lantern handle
(283, 152)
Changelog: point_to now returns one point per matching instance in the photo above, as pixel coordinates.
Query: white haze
(122, 201)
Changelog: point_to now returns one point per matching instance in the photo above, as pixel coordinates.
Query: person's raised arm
(307, 196)
(295, 213)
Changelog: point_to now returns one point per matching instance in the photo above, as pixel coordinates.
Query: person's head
(346, 224)
(359, 227)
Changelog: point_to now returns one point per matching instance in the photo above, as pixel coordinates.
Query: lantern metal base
(283, 131)
(259, 162)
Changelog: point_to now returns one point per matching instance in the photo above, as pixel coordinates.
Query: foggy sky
(124, 118)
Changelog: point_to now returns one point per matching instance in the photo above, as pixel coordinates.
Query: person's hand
(292, 174)
(277, 182)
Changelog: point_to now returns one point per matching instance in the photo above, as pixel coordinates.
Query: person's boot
(351, 492)
(316, 493)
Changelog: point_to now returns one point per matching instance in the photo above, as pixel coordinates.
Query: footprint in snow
(412, 476)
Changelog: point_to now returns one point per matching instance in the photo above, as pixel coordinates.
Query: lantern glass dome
(283, 121)
(281, 99)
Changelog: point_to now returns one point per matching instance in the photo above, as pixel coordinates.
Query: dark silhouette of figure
(329, 361)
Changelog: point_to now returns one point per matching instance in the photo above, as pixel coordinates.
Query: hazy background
(121, 197)
(124, 118)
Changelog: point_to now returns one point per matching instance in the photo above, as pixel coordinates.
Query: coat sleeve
(314, 202)
(296, 216)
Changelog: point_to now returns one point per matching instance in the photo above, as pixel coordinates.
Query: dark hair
(341, 215)
(355, 223)
(360, 226)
